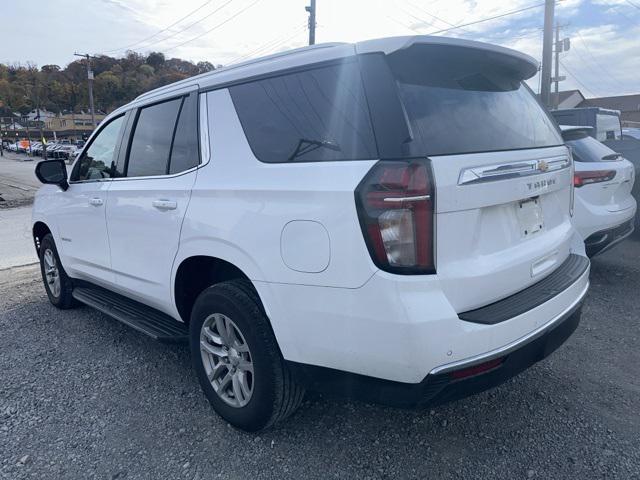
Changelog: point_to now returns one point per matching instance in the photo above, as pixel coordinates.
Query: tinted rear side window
(184, 153)
(151, 143)
(310, 116)
(460, 100)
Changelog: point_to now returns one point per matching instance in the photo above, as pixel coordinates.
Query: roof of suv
(326, 52)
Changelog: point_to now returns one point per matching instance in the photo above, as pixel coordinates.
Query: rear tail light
(596, 176)
(396, 208)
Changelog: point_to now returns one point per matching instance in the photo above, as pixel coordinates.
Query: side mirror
(53, 172)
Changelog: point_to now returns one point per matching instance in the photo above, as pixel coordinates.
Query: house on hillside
(568, 99)
(39, 114)
(74, 126)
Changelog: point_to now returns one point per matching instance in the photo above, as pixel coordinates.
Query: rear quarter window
(314, 115)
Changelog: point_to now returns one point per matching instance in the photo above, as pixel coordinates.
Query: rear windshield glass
(310, 116)
(459, 100)
(588, 149)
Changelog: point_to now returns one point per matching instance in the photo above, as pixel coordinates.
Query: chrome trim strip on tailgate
(502, 171)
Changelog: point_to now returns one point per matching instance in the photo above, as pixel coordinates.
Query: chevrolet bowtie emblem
(543, 166)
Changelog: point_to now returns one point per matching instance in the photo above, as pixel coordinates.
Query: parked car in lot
(66, 151)
(36, 148)
(604, 207)
(605, 122)
(389, 219)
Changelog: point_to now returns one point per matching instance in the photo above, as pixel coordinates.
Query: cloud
(122, 5)
(605, 58)
(609, 30)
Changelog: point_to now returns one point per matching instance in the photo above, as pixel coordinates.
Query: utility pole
(556, 78)
(40, 122)
(312, 22)
(559, 46)
(90, 80)
(547, 53)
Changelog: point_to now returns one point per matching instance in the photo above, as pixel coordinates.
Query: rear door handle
(96, 202)
(165, 204)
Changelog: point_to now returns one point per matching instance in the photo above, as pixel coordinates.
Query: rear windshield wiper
(612, 156)
(306, 145)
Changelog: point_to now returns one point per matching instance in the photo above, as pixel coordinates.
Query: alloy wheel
(227, 360)
(51, 272)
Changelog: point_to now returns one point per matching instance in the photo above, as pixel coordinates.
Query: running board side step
(147, 320)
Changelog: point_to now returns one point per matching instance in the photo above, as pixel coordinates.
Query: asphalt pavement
(83, 396)
(16, 241)
(18, 183)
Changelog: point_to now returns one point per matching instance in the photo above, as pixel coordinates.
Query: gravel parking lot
(85, 397)
(18, 183)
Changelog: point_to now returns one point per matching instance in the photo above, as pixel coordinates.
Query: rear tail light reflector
(396, 209)
(477, 369)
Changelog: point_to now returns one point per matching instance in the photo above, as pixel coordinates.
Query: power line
(273, 43)
(506, 36)
(270, 45)
(587, 89)
(418, 7)
(400, 23)
(633, 4)
(188, 26)
(160, 31)
(506, 14)
(421, 20)
(215, 26)
(620, 12)
(597, 63)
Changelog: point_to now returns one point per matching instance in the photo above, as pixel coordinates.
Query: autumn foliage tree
(117, 81)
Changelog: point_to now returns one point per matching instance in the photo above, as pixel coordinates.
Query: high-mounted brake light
(396, 208)
(594, 176)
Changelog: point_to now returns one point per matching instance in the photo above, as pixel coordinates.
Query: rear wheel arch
(197, 273)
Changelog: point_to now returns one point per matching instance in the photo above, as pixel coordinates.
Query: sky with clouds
(604, 58)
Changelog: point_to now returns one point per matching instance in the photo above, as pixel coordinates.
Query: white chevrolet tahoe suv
(389, 219)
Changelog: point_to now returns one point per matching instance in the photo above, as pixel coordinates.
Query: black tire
(275, 394)
(63, 300)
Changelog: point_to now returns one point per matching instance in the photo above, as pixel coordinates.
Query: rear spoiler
(573, 132)
(525, 65)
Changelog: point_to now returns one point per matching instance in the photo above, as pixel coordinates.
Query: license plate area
(529, 214)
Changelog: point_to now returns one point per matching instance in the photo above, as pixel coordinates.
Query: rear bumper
(399, 329)
(603, 240)
(444, 385)
(590, 219)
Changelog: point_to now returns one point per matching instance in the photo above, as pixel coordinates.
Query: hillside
(117, 81)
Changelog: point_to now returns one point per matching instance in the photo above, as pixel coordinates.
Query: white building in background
(40, 114)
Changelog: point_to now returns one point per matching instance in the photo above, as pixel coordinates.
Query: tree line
(116, 82)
